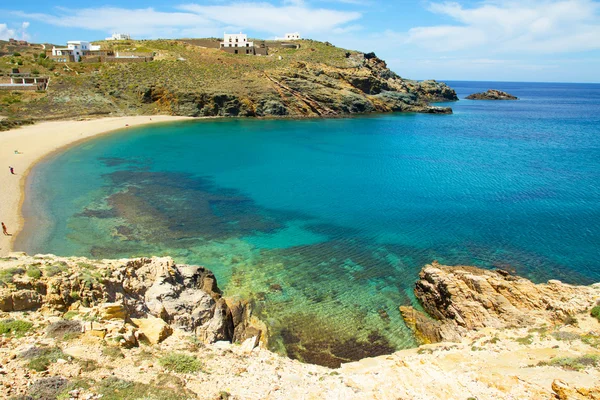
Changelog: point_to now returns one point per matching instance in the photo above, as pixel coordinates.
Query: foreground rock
(492, 94)
(151, 293)
(463, 299)
(45, 354)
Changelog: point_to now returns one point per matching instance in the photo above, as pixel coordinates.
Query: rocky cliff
(315, 80)
(463, 299)
(74, 328)
(151, 293)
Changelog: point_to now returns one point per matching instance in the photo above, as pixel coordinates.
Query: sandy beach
(33, 143)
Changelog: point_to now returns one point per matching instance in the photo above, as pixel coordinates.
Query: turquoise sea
(326, 223)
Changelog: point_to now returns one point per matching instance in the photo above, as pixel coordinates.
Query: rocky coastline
(492, 94)
(317, 80)
(74, 328)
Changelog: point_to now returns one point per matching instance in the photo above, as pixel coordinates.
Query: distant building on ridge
(74, 51)
(119, 36)
(237, 43)
(290, 36)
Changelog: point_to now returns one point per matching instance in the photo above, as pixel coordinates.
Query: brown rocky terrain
(492, 94)
(74, 328)
(186, 79)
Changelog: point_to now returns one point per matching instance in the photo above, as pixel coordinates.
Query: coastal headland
(21, 148)
(195, 78)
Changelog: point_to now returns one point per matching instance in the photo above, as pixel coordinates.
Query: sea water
(326, 223)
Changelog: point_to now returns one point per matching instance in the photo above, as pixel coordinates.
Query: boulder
(154, 329)
(108, 311)
(220, 327)
(461, 299)
(20, 300)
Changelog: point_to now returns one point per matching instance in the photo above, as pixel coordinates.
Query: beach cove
(35, 142)
(326, 223)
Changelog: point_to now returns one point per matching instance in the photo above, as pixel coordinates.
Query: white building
(75, 50)
(119, 36)
(236, 40)
(290, 36)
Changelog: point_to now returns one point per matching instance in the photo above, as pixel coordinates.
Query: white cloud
(541, 26)
(6, 33)
(293, 15)
(265, 17)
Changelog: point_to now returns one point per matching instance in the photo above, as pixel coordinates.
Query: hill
(191, 78)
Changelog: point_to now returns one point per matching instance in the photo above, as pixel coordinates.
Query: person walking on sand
(12, 170)
(4, 230)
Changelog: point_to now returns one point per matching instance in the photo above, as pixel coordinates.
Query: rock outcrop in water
(463, 299)
(492, 94)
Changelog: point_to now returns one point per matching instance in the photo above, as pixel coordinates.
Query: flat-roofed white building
(119, 36)
(292, 36)
(236, 40)
(74, 51)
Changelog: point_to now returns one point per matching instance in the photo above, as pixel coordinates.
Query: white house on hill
(119, 36)
(292, 36)
(74, 51)
(236, 40)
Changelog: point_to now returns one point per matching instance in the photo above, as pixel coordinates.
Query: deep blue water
(327, 222)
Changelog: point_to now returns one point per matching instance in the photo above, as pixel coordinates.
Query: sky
(489, 40)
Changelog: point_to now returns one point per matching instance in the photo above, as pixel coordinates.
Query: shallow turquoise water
(327, 222)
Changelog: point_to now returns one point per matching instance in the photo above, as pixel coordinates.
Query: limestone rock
(110, 311)
(21, 300)
(460, 299)
(154, 329)
(565, 392)
(220, 327)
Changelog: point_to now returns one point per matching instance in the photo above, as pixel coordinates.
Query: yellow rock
(112, 311)
(154, 329)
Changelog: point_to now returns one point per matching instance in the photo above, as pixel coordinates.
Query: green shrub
(14, 327)
(575, 363)
(182, 363)
(595, 312)
(17, 54)
(566, 336)
(62, 328)
(112, 352)
(113, 388)
(7, 275)
(41, 358)
(525, 340)
(47, 388)
(34, 272)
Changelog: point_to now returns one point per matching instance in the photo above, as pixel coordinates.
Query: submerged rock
(492, 94)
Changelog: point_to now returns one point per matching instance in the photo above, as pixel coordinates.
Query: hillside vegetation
(317, 79)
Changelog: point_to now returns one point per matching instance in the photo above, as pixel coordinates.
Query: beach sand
(34, 142)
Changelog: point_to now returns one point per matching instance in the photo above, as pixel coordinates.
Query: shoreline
(36, 142)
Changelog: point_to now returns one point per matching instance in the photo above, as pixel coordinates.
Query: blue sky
(505, 40)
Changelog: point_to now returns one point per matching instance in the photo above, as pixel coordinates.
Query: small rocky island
(492, 94)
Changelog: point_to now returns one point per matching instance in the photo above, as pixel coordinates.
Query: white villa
(236, 40)
(73, 52)
(290, 36)
(119, 36)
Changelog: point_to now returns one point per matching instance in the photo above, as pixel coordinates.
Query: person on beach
(18, 152)
(4, 230)
(12, 170)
